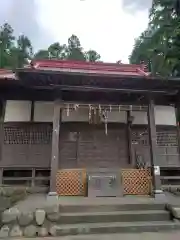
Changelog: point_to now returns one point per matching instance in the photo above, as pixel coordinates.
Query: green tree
(24, 50)
(74, 49)
(42, 54)
(57, 51)
(6, 43)
(157, 43)
(92, 56)
(13, 52)
(16, 51)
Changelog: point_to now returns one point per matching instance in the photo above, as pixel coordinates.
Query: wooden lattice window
(27, 134)
(164, 138)
(167, 138)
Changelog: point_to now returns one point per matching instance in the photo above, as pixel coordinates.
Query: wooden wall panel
(27, 145)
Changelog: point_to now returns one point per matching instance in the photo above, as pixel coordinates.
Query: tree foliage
(159, 44)
(16, 51)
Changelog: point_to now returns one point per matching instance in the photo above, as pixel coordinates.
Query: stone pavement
(38, 200)
(141, 236)
(35, 201)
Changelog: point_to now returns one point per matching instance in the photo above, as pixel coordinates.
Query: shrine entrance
(94, 157)
(101, 155)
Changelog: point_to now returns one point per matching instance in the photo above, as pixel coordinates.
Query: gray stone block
(4, 203)
(25, 218)
(53, 217)
(83, 230)
(43, 232)
(174, 210)
(16, 231)
(30, 231)
(4, 231)
(40, 215)
(10, 215)
(52, 208)
(55, 230)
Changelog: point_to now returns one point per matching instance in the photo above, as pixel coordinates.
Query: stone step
(117, 216)
(111, 207)
(118, 227)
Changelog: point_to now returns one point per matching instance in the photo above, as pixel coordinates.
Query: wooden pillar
(1, 176)
(178, 127)
(2, 115)
(32, 111)
(33, 177)
(129, 138)
(153, 149)
(55, 145)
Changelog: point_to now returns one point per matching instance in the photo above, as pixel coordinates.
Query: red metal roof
(81, 67)
(8, 74)
(90, 67)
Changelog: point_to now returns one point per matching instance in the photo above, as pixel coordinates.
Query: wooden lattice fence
(136, 181)
(71, 182)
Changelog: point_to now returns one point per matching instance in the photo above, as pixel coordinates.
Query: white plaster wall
(165, 115)
(117, 117)
(82, 115)
(79, 115)
(139, 117)
(17, 111)
(43, 111)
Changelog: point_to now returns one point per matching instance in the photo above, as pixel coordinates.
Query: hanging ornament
(90, 109)
(76, 106)
(93, 116)
(68, 110)
(106, 127)
(94, 110)
(131, 108)
(110, 108)
(105, 121)
(119, 108)
(99, 109)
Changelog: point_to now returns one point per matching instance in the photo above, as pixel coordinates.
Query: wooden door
(103, 156)
(98, 150)
(68, 149)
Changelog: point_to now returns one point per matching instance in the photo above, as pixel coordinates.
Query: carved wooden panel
(26, 144)
(164, 138)
(167, 146)
(27, 134)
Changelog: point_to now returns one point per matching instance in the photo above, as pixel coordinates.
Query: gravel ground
(141, 236)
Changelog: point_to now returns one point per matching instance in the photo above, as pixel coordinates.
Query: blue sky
(108, 26)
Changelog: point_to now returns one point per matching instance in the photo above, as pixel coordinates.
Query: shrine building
(89, 129)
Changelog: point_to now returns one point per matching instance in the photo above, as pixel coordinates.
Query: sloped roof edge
(81, 67)
(7, 74)
(90, 67)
